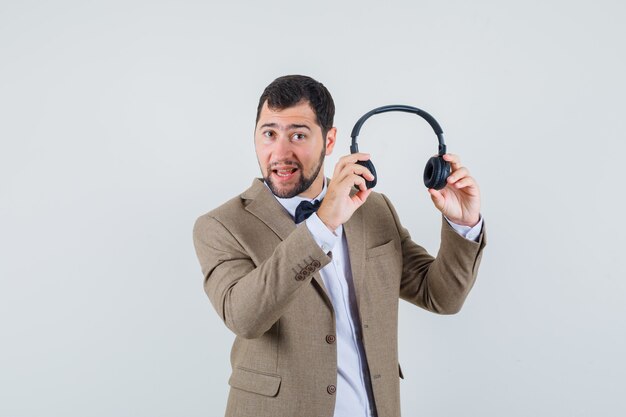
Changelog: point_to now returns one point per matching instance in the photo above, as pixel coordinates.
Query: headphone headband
(398, 107)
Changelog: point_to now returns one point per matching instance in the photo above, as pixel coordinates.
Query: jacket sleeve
(251, 298)
(439, 284)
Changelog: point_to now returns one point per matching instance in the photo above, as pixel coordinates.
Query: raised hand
(338, 205)
(459, 201)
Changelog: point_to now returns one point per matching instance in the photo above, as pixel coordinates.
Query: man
(314, 301)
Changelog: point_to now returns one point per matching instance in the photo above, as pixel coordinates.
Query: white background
(122, 121)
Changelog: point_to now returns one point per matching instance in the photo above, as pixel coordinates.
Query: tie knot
(305, 209)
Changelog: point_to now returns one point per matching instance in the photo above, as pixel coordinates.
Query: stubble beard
(303, 184)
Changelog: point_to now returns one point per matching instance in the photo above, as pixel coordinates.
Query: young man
(313, 296)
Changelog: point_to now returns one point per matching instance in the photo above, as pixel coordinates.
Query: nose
(282, 149)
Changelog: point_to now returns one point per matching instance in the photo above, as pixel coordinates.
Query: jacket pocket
(256, 382)
(383, 249)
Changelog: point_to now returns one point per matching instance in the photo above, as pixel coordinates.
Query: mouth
(284, 173)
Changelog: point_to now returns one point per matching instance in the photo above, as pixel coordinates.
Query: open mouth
(284, 173)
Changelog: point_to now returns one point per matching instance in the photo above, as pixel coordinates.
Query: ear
(331, 137)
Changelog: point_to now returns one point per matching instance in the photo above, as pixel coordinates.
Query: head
(293, 134)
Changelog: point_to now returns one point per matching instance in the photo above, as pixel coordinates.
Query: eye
(268, 134)
(298, 136)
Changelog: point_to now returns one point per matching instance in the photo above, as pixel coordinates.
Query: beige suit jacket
(262, 276)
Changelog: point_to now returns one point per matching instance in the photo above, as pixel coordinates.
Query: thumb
(360, 197)
(437, 198)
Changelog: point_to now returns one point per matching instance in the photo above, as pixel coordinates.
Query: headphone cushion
(370, 166)
(436, 173)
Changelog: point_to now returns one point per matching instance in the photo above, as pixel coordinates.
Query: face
(290, 149)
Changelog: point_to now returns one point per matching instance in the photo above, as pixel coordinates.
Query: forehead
(301, 113)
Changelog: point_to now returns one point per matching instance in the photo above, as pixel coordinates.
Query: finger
(350, 159)
(360, 196)
(353, 157)
(357, 169)
(344, 184)
(454, 160)
(465, 183)
(437, 198)
(348, 181)
(457, 175)
(359, 182)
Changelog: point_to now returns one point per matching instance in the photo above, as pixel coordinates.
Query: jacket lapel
(264, 206)
(355, 235)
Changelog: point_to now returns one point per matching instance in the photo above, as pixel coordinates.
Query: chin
(282, 191)
(290, 188)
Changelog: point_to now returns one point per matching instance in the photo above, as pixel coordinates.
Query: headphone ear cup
(436, 173)
(370, 166)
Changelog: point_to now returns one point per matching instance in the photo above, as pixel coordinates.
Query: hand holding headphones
(459, 201)
(453, 191)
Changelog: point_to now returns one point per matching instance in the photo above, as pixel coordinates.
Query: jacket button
(310, 268)
(299, 277)
(316, 264)
(304, 272)
(331, 389)
(330, 339)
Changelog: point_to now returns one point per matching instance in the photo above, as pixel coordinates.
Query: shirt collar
(291, 204)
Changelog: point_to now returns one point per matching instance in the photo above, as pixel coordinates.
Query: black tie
(305, 209)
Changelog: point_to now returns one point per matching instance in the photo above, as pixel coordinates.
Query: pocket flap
(253, 381)
(383, 249)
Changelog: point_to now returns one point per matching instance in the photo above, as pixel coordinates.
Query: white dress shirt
(353, 396)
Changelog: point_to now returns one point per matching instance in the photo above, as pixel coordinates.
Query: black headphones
(436, 171)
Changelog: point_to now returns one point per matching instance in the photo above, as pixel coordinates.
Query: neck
(316, 188)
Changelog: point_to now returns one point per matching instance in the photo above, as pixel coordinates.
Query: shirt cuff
(322, 234)
(469, 233)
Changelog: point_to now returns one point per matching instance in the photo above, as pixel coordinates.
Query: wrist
(465, 222)
(331, 225)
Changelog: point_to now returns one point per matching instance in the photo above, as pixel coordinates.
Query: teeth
(284, 172)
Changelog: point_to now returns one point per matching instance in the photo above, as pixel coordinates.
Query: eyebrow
(289, 127)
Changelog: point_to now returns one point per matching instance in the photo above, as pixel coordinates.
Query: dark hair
(290, 90)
